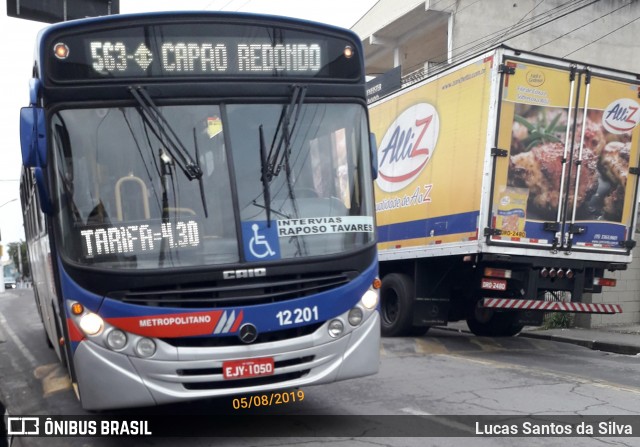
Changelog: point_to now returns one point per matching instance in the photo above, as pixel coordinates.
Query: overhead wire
(488, 40)
(581, 27)
(525, 26)
(465, 7)
(482, 41)
(242, 5)
(521, 19)
(437, 2)
(602, 37)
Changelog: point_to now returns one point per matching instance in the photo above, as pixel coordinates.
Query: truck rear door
(566, 158)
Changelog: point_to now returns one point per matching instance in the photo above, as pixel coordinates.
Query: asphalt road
(423, 380)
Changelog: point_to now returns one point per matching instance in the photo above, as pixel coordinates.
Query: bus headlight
(145, 347)
(370, 299)
(116, 339)
(355, 316)
(336, 327)
(91, 324)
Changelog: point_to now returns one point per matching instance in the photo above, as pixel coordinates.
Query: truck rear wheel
(397, 296)
(488, 323)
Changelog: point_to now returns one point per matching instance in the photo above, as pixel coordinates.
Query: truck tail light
(609, 282)
(569, 273)
(497, 273)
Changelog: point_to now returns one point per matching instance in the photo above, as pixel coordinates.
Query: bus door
(566, 159)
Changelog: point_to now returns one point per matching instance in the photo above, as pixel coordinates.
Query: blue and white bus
(198, 204)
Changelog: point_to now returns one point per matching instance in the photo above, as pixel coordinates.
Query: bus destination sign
(209, 50)
(191, 57)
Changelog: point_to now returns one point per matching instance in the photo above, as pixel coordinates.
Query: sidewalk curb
(591, 344)
(595, 345)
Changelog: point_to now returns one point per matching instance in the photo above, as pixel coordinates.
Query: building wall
(603, 33)
(626, 294)
(585, 35)
(383, 13)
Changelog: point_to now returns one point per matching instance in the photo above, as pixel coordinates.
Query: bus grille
(247, 382)
(237, 292)
(266, 337)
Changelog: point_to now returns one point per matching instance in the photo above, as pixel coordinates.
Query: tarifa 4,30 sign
(407, 146)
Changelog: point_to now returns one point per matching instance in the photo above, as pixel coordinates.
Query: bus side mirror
(43, 191)
(374, 155)
(33, 141)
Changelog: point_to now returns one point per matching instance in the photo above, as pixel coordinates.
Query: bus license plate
(242, 369)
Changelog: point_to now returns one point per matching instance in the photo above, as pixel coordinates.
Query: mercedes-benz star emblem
(248, 333)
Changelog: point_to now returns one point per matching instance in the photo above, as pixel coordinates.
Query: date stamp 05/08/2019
(267, 400)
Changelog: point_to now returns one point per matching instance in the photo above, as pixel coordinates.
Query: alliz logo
(407, 147)
(621, 116)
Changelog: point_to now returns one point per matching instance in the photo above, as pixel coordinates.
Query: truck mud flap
(430, 311)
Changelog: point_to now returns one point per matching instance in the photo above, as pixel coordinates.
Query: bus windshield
(126, 202)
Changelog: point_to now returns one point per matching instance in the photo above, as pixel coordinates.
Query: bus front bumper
(109, 379)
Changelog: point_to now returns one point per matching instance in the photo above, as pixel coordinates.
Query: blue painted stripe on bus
(434, 226)
(72, 291)
(330, 304)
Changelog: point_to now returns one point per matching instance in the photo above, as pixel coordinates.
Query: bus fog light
(145, 347)
(116, 339)
(355, 316)
(336, 328)
(91, 324)
(370, 299)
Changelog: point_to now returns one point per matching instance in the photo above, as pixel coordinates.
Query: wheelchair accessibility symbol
(260, 241)
(259, 245)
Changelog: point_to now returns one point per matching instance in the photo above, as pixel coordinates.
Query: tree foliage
(12, 250)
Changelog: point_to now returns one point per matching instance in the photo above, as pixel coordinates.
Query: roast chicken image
(614, 164)
(540, 170)
(536, 155)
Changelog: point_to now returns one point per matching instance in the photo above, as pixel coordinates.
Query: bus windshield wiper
(202, 194)
(165, 133)
(279, 153)
(265, 175)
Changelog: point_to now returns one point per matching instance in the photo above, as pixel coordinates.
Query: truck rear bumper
(549, 306)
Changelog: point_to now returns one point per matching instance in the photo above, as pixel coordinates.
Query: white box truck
(503, 181)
